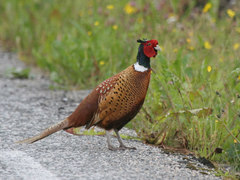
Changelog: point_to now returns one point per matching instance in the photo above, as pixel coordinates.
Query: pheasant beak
(157, 48)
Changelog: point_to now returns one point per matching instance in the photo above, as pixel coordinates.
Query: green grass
(194, 96)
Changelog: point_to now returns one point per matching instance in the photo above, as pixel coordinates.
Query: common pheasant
(114, 102)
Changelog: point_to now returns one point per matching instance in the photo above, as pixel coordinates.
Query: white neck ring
(139, 67)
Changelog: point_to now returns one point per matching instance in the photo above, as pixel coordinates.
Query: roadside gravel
(28, 106)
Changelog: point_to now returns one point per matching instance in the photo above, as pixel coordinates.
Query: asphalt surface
(28, 106)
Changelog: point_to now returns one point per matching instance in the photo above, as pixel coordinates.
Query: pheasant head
(150, 47)
(146, 50)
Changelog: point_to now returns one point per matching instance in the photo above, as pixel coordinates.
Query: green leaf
(201, 112)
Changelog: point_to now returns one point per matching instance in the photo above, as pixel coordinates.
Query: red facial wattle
(148, 48)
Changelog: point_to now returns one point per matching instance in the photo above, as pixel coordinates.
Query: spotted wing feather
(103, 91)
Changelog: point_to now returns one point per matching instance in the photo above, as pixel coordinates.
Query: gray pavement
(28, 106)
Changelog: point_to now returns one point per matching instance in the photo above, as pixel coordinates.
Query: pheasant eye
(149, 44)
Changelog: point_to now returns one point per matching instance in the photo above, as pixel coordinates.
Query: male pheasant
(114, 102)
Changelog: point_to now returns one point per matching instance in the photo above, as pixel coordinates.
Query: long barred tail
(57, 127)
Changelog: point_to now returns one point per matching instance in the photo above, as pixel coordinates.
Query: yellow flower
(231, 13)
(90, 12)
(89, 33)
(209, 68)
(115, 27)
(213, 20)
(235, 141)
(174, 30)
(90, 3)
(140, 20)
(216, 121)
(129, 9)
(238, 29)
(96, 23)
(175, 50)
(80, 13)
(101, 63)
(221, 59)
(188, 40)
(236, 46)
(191, 48)
(207, 45)
(207, 7)
(110, 7)
(238, 78)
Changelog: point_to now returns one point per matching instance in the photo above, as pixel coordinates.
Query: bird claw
(112, 148)
(125, 147)
(120, 148)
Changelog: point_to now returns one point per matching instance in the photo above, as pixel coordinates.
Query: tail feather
(57, 127)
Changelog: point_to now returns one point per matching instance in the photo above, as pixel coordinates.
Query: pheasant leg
(110, 146)
(122, 146)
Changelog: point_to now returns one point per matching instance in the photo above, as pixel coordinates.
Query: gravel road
(28, 106)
